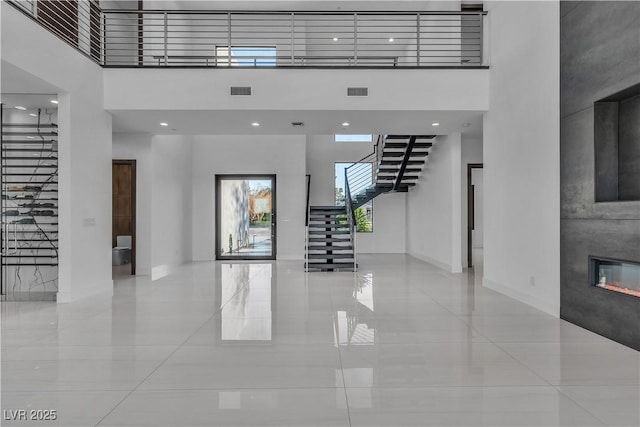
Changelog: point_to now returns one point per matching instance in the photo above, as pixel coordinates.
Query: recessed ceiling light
(256, 124)
(435, 124)
(20, 107)
(164, 124)
(466, 125)
(30, 137)
(54, 101)
(33, 114)
(390, 39)
(335, 39)
(345, 124)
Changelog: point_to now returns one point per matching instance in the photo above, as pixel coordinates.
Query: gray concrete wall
(629, 148)
(600, 56)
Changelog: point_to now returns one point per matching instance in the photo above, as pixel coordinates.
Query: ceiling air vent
(240, 90)
(357, 91)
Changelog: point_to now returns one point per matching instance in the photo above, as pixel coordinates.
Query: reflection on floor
(121, 271)
(264, 344)
(477, 258)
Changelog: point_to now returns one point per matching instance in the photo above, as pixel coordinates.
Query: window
(364, 178)
(246, 56)
(353, 138)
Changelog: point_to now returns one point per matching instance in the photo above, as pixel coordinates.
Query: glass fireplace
(615, 275)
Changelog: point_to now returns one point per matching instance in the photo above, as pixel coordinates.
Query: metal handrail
(308, 215)
(316, 39)
(351, 219)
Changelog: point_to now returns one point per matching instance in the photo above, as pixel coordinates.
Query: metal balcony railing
(190, 38)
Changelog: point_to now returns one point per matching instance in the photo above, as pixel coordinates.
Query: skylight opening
(353, 138)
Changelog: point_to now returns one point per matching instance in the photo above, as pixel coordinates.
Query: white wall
(521, 154)
(477, 234)
(283, 156)
(434, 207)
(389, 216)
(292, 89)
(471, 153)
(138, 147)
(171, 199)
(84, 152)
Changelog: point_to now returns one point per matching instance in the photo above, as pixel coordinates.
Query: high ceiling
(279, 122)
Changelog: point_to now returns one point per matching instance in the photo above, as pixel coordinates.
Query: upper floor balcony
(258, 39)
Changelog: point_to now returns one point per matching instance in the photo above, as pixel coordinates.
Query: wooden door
(124, 204)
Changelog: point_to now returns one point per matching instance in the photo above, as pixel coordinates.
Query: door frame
(134, 218)
(274, 217)
(471, 211)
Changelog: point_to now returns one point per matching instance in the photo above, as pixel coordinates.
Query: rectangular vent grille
(240, 90)
(357, 91)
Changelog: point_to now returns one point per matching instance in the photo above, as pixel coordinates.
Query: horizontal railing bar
(289, 12)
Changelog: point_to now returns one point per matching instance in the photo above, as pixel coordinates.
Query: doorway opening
(475, 215)
(123, 230)
(245, 217)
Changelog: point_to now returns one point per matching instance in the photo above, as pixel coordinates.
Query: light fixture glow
(466, 125)
(345, 124)
(435, 124)
(335, 39)
(54, 101)
(20, 107)
(164, 124)
(30, 137)
(256, 124)
(33, 114)
(390, 39)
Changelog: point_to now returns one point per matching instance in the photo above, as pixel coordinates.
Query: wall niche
(617, 146)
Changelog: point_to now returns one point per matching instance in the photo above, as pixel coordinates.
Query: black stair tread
(328, 240)
(395, 170)
(332, 266)
(409, 136)
(332, 225)
(327, 208)
(330, 256)
(328, 232)
(398, 162)
(404, 144)
(323, 214)
(330, 247)
(392, 154)
(391, 178)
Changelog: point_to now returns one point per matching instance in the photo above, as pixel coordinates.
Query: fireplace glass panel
(615, 275)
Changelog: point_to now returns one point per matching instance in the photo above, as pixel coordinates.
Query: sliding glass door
(245, 217)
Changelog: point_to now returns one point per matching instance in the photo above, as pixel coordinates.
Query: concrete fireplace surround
(599, 63)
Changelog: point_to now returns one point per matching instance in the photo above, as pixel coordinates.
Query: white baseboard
(104, 289)
(448, 267)
(552, 309)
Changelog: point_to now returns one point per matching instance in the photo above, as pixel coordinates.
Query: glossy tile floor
(398, 343)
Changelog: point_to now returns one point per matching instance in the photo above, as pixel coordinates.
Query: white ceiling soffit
(297, 5)
(239, 122)
(15, 80)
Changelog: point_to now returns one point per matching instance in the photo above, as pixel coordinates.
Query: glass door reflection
(247, 296)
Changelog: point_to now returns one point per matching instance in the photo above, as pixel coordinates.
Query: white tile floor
(399, 343)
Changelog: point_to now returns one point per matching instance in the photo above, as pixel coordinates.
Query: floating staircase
(395, 165)
(329, 242)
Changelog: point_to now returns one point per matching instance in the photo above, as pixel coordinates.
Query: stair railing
(351, 218)
(306, 226)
